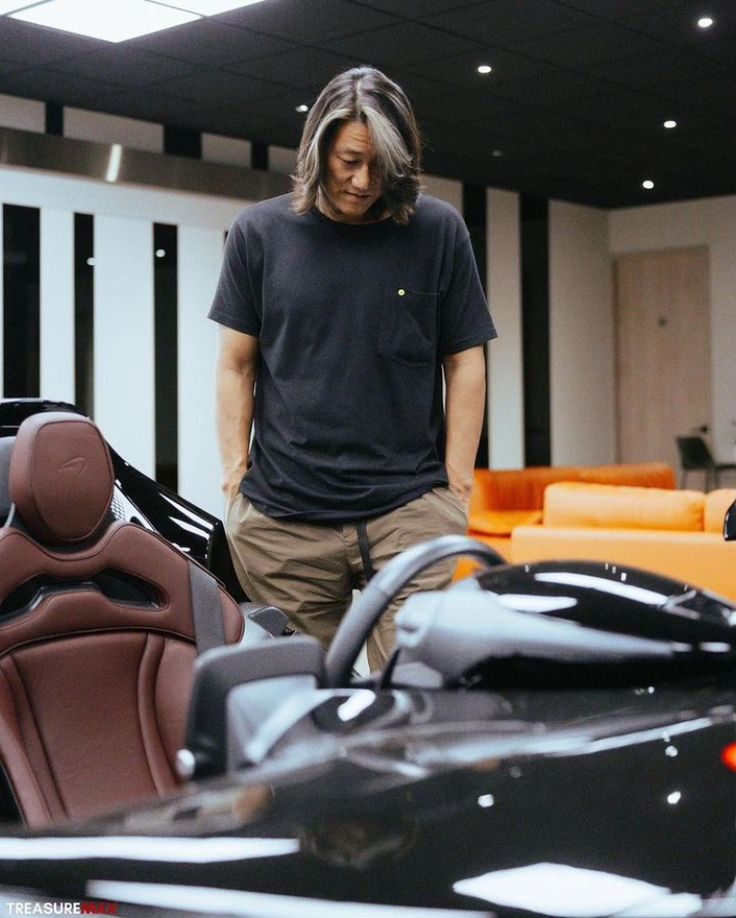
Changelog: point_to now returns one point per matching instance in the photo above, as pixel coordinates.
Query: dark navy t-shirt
(352, 322)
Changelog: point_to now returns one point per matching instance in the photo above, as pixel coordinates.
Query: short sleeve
(465, 320)
(235, 304)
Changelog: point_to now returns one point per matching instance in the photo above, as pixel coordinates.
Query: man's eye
(351, 162)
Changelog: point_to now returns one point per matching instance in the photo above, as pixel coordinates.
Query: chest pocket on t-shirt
(409, 327)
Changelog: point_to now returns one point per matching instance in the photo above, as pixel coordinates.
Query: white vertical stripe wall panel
(581, 333)
(199, 260)
(124, 396)
(505, 362)
(57, 305)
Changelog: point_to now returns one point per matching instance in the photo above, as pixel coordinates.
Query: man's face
(351, 183)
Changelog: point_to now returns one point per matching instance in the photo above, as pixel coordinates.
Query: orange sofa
(675, 533)
(506, 498)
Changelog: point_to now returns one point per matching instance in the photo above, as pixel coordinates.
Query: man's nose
(362, 177)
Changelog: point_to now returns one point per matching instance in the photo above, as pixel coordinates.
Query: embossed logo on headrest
(76, 465)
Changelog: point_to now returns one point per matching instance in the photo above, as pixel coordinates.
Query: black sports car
(552, 739)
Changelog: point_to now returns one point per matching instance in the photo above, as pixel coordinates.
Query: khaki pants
(309, 570)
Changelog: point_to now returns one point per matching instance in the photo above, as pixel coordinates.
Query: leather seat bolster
(23, 755)
(128, 549)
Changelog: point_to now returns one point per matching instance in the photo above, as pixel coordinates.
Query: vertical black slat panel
(182, 142)
(474, 212)
(534, 215)
(259, 156)
(54, 118)
(21, 315)
(165, 257)
(84, 289)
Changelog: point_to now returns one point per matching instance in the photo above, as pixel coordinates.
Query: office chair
(696, 457)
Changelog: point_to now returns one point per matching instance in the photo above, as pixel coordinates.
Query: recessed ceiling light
(302, 108)
(113, 20)
(705, 22)
(497, 153)
(648, 184)
(207, 7)
(160, 253)
(485, 68)
(670, 123)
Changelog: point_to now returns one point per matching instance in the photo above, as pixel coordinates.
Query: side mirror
(281, 666)
(729, 524)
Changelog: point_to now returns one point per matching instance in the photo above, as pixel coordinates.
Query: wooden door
(662, 351)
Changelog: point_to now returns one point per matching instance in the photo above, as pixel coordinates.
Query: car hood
(485, 802)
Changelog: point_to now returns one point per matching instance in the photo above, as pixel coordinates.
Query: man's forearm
(235, 400)
(465, 399)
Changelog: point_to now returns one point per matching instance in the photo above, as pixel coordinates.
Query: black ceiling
(575, 102)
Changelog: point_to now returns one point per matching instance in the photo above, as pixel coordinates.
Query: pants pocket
(457, 506)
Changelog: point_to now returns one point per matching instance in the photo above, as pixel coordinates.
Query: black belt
(365, 550)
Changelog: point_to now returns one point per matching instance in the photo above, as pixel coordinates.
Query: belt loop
(365, 549)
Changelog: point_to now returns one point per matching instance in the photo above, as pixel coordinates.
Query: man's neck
(327, 208)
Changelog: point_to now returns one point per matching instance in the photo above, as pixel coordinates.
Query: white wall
(123, 289)
(711, 222)
(81, 124)
(582, 242)
(582, 358)
(124, 394)
(199, 259)
(57, 305)
(36, 188)
(505, 358)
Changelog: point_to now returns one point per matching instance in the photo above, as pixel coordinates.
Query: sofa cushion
(501, 522)
(623, 507)
(716, 505)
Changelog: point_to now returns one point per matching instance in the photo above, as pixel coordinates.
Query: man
(341, 306)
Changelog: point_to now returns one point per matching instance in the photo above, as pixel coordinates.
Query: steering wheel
(365, 611)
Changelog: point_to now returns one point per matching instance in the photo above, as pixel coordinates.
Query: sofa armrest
(502, 522)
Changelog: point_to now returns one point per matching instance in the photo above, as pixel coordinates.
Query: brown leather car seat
(100, 622)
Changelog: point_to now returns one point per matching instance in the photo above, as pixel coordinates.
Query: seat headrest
(61, 477)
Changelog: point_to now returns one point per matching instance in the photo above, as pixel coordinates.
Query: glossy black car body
(554, 739)
(548, 781)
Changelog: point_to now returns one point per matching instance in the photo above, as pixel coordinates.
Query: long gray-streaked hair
(363, 94)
